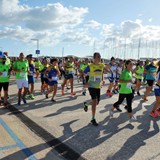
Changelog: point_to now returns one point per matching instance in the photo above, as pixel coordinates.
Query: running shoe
(144, 98)
(24, 100)
(26, 97)
(85, 106)
(158, 112)
(73, 94)
(118, 109)
(138, 93)
(53, 100)
(31, 96)
(19, 102)
(62, 92)
(117, 90)
(84, 93)
(111, 113)
(93, 121)
(114, 91)
(153, 114)
(126, 107)
(109, 94)
(132, 119)
(46, 95)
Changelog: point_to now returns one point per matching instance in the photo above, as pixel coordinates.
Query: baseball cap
(86, 59)
(29, 56)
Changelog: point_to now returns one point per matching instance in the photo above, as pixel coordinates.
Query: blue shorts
(117, 79)
(112, 79)
(31, 79)
(157, 92)
(68, 76)
(51, 83)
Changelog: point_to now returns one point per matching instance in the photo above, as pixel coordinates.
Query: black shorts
(4, 85)
(86, 80)
(44, 80)
(150, 82)
(95, 93)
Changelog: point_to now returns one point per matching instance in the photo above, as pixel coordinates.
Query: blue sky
(81, 27)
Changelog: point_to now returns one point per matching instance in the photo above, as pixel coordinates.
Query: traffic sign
(37, 51)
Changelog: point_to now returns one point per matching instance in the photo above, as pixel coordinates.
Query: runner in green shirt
(4, 79)
(21, 68)
(125, 91)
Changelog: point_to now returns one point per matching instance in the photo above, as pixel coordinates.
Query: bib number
(97, 79)
(129, 85)
(4, 74)
(54, 78)
(22, 74)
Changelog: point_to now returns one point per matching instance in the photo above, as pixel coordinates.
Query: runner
(139, 70)
(69, 74)
(150, 71)
(51, 74)
(118, 73)
(95, 71)
(21, 68)
(4, 79)
(37, 66)
(111, 69)
(155, 110)
(125, 91)
(85, 78)
(44, 80)
(31, 79)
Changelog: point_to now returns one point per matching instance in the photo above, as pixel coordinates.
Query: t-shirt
(95, 74)
(125, 88)
(4, 70)
(31, 69)
(23, 66)
(152, 70)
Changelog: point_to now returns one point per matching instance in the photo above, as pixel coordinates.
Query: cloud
(79, 36)
(150, 20)
(41, 18)
(93, 24)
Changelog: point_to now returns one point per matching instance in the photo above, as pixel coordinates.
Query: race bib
(4, 74)
(54, 78)
(22, 74)
(71, 72)
(31, 73)
(97, 79)
(129, 85)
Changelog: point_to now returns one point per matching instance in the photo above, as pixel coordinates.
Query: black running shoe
(85, 106)
(53, 100)
(138, 93)
(126, 107)
(46, 95)
(118, 109)
(93, 121)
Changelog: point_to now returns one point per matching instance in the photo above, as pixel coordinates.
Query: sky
(120, 28)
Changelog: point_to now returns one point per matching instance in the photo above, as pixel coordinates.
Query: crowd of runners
(125, 78)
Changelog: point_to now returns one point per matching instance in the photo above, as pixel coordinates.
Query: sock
(93, 118)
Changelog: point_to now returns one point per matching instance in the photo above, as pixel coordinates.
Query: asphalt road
(65, 127)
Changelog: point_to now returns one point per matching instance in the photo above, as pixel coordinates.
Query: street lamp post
(37, 44)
